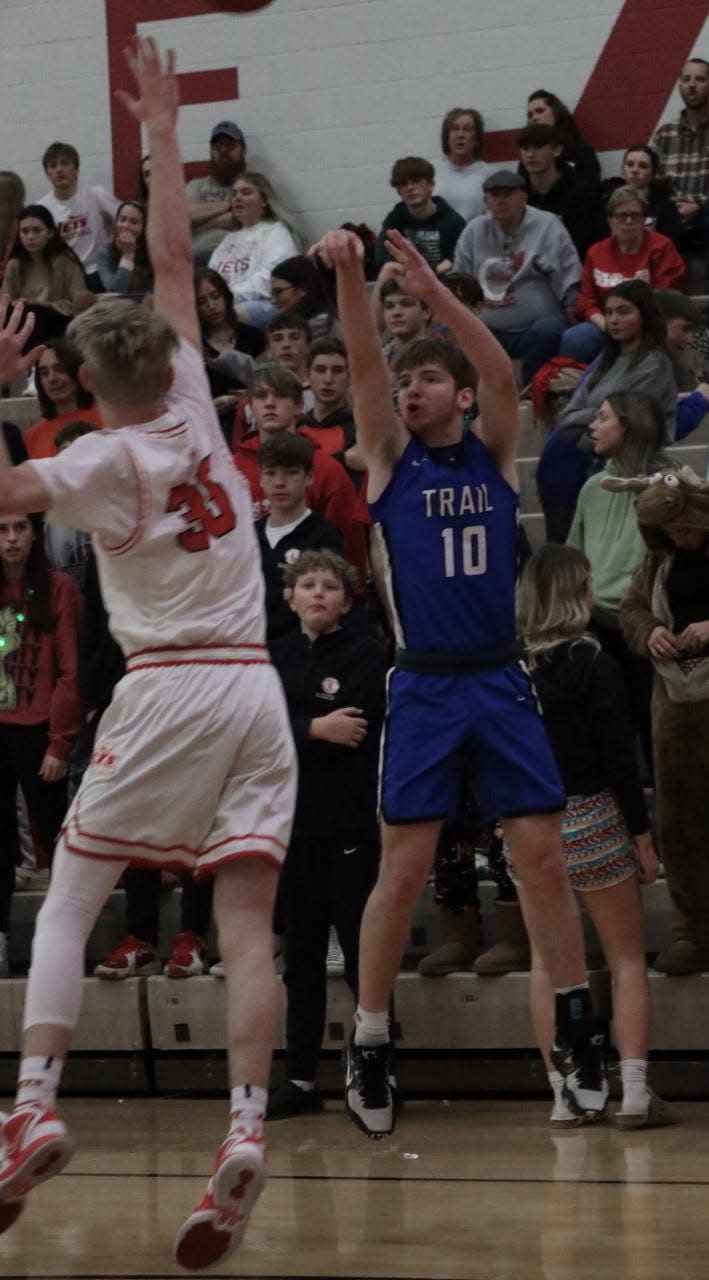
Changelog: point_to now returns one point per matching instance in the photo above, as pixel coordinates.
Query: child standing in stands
(290, 528)
(40, 714)
(607, 842)
(333, 676)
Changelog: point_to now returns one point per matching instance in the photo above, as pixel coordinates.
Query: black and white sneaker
(581, 1061)
(368, 1094)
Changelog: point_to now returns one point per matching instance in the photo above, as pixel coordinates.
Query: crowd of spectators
(561, 267)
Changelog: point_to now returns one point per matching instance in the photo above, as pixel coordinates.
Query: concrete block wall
(330, 92)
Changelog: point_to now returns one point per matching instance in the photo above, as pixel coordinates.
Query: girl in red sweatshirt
(40, 614)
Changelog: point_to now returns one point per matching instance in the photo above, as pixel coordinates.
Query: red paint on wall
(218, 85)
(625, 95)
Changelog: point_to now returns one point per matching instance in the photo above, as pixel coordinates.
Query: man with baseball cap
(210, 197)
(528, 269)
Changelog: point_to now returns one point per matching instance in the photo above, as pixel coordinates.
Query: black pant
(22, 749)
(142, 888)
(322, 884)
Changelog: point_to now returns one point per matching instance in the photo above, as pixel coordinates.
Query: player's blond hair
(126, 348)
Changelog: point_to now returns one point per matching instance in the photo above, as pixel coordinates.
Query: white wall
(331, 91)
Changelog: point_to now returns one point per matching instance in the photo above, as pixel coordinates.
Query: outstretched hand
(412, 270)
(156, 83)
(338, 249)
(13, 336)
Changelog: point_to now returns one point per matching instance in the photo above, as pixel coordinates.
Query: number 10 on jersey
(464, 550)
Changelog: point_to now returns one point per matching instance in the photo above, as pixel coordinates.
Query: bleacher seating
(455, 1034)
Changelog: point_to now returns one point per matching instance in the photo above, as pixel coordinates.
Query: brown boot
(511, 950)
(462, 943)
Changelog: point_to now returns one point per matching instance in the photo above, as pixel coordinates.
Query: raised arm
(381, 437)
(21, 489)
(168, 229)
(498, 398)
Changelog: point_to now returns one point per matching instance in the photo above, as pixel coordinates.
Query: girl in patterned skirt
(607, 841)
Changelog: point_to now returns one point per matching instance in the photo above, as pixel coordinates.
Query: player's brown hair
(421, 351)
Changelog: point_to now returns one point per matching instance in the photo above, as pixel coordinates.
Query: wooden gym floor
(476, 1190)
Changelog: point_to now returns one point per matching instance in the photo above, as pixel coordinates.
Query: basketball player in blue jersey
(444, 505)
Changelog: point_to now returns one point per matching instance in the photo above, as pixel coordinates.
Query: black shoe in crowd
(288, 1099)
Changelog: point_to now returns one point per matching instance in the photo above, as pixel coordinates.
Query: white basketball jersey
(171, 522)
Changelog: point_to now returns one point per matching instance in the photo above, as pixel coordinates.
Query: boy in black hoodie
(333, 677)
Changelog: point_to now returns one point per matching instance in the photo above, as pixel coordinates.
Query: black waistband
(429, 662)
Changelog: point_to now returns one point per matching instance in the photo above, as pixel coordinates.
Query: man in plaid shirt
(683, 145)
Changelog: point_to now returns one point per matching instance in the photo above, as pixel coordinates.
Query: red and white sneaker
(133, 959)
(36, 1146)
(189, 956)
(216, 1228)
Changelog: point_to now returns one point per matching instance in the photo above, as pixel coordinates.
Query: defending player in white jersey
(193, 764)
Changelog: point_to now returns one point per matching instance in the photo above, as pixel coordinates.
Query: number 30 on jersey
(205, 509)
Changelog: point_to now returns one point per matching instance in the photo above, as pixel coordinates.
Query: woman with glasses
(631, 252)
(298, 285)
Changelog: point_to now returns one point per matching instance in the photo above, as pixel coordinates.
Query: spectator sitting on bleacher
(287, 336)
(12, 199)
(277, 402)
(641, 170)
(528, 269)
(426, 220)
(45, 274)
(683, 146)
(334, 681)
(461, 172)
(401, 317)
(634, 358)
(683, 318)
(84, 215)
(297, 285)
(628, 436)
(228, 346)
(124, 264)
(544, 107)
(555, 187)
(630, 252)
(209, 197)
(290, 528)
(329, 380)
(246, 257)
(61, 397)
(40, 714)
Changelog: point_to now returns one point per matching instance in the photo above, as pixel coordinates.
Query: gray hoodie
(534, 272)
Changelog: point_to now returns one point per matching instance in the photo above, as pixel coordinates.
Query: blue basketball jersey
(447, 526)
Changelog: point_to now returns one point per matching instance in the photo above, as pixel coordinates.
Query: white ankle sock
(308, 1086)
(371, 1028)
(248, 1102)
(38, 1080)
(633, 1073)
(556, 1080)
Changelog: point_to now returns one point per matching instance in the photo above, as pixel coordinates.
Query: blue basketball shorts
(486, 723)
